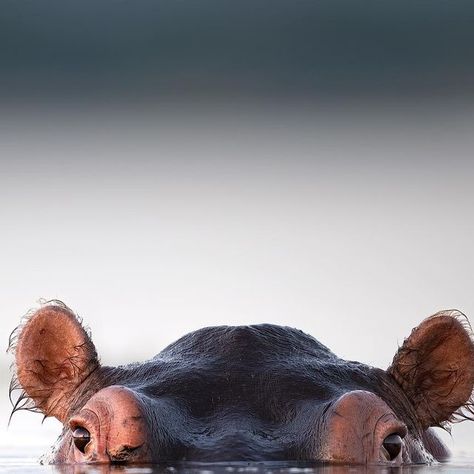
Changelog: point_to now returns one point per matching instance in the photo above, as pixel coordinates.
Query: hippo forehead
(266, 372)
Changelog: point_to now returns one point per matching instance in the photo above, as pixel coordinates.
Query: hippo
(260, 393)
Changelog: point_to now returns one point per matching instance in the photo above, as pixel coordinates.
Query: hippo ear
(435, 368)
(53, 355)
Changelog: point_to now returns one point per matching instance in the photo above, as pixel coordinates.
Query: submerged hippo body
(246, 393)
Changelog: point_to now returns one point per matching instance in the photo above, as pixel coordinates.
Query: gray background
(169, 166)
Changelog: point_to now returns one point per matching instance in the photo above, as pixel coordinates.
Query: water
(19, 461)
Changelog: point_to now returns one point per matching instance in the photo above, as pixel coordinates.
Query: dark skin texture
(246, 393)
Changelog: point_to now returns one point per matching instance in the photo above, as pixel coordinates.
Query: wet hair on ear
(54, 354)
(435, 368)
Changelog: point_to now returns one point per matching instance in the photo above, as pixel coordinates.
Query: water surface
(15, 461)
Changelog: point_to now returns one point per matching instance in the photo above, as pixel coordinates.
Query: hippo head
(245, 393)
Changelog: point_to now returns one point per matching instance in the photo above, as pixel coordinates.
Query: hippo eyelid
(392, 426)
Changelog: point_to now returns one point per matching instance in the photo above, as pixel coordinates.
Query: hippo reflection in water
(245, 393)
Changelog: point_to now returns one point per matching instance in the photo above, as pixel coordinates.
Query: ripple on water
(14, 462)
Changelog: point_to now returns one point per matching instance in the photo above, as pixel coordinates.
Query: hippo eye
(393, 445)
(81, 438)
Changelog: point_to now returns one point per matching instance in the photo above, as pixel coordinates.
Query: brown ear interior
(435, 368)
(53, 356)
